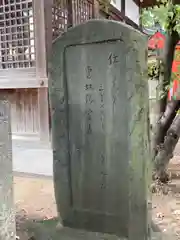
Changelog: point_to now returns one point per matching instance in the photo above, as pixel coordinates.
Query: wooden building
(27, 28)
(23, 77)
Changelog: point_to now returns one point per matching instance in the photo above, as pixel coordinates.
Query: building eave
(149, 3)
(120, 16)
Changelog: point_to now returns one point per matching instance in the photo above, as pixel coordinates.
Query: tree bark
(165, 141)
(166, 67)
(165, 152)
(164, 123)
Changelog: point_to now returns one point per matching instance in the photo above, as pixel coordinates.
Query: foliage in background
(104, 5)
(153, 69)
(163, 15)
(151, 16)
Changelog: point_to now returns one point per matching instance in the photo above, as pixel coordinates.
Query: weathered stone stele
(7, 217)
(99, 104)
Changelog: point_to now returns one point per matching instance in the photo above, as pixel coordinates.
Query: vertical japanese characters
(95, 101)
(103, 173)
(89, 99)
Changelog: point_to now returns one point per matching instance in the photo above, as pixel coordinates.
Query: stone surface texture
(100, 118)
(7, 218)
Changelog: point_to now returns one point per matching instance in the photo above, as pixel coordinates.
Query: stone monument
(100, 124)
(7, 217)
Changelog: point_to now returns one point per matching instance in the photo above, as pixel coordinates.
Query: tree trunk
(165, 152)
(164, 123)
(165, 141)
(164, 82)
(166, 67)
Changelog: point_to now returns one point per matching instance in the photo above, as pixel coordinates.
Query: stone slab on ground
(100, 128)
(32, 156)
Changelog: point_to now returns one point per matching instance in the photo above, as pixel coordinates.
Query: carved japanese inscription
(96, 95)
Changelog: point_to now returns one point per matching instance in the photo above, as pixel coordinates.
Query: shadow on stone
(51, 229)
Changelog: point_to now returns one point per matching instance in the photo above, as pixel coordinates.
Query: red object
(173, 91)
(156, 41)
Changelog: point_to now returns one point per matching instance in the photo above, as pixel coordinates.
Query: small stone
(160, 215)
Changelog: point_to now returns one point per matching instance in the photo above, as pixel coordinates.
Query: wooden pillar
(48, 26)
(96, 9)
(48, 4)
(43, 114)
(140, 20)
(70, 19)
(41, 69)
(123, 6)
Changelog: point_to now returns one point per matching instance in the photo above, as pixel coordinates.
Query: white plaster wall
(132, 11)
(117, 4)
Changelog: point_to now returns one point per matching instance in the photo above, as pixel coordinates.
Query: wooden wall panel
(24, 110)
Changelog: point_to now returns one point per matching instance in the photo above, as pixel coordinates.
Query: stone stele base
(51, 229)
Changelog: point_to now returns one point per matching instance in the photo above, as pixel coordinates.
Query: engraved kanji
(113, 58)
(88, 87)
(88, 72)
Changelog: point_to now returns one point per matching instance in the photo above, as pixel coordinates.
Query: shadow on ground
(51, 229)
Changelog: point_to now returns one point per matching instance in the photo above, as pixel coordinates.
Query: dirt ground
(34, 201)
(166, 203)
